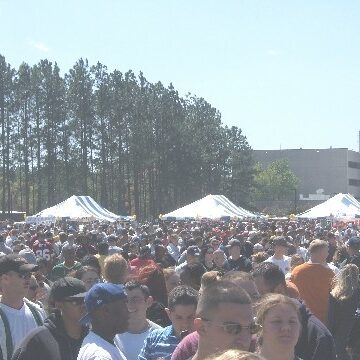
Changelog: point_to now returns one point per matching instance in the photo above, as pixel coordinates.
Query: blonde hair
(269, 302)
(345, 282)
(234, 354)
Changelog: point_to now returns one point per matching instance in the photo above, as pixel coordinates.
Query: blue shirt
(160, 343)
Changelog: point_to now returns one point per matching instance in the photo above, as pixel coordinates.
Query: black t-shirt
(240, 264)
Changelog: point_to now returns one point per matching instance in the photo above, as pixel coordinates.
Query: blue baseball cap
(100, 294)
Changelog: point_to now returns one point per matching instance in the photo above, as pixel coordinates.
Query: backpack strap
(35, 313)
(8, 338)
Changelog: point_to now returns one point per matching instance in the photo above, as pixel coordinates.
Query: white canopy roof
(209, 207)
(76, 208)
(340, 206)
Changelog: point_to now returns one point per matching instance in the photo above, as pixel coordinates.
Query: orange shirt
(314, 284)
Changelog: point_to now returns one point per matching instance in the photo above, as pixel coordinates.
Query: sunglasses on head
(235, 329)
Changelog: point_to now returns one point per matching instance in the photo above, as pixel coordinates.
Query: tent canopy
(76, 208)
(340, 206)
(209, 207)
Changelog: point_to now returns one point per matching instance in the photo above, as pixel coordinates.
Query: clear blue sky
(286, 72)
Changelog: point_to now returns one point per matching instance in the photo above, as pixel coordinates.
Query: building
(322, 172)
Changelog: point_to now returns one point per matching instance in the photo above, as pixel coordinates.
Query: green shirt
(60, 270)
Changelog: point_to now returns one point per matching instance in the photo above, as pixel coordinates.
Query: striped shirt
(159, 344)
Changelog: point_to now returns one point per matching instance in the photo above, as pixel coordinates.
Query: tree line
(136, 147)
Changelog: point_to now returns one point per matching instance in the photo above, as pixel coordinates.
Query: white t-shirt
(283, 264)
(94, 347)
(131, 344)
(21, 322)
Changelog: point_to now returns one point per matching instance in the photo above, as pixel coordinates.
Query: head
(182, 308)
(115, 269)
(88, 275)
(224, 318)
(345, 282)
(245, 281)
(103, 248)
(295, 261)
(219, 258)
(280, 322)
(107, 311)
(191, 275)
(15, 275)
(193, 255)
(68, 253)
(353, 245)
(318, 250)
(234, 248)
(93, 261)
(172, 279)
(280, 246)
(67, 297)
(258, 258)
(33, 289)
(153, 278)
(139, 300)
(269, 279)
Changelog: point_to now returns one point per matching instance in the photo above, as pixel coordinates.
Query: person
(18, 315)
(69, 264)
(219, 259)
(88, 274)
(353, 250)
(115, 269)
(280, 323)
(316, 341)
(236, 261)
(343, 302)
(313, 279)
(61, 335)
(280, 257)
(234, 354)
(139, 299)
(173, 246)
(172, 278)
(224, 319)
(181, 311)
(42, 247)
(102, 253)
(107, 312)
(3, 247)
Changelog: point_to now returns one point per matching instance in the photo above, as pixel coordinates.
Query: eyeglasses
(74, 301)
(234, 328)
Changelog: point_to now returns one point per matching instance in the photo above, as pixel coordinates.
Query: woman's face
(281, 328)
(219, 258)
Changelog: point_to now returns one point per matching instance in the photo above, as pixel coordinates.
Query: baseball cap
(100, 294)
(353, 241)
(233, 242)
(193, 250)
(14, 262)
(67, 287)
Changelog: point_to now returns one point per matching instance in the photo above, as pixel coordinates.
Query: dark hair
(182, 295)
(79, 273)
(92, 261)
(271, 274)
(103, 248)
(191, 275)
(132, 285)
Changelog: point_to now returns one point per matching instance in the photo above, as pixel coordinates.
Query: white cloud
(272, 52)
(39, 46)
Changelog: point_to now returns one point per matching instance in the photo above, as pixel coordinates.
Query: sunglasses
(235, 329)
(74, 301)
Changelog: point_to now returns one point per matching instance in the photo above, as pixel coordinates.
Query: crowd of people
(180, 290)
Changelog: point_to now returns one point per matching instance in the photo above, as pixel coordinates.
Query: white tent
(76, 208)
(209, 207)
(340, 206)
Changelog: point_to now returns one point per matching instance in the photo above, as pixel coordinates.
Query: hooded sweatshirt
(49, 341)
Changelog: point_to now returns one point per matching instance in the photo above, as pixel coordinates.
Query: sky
(286, 72)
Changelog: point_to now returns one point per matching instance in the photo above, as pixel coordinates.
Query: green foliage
(135, 146)
(276, 182)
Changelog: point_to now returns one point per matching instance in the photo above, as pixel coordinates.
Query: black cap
(193, 250)
(234, 242)
(67, 287)
(14, 262)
